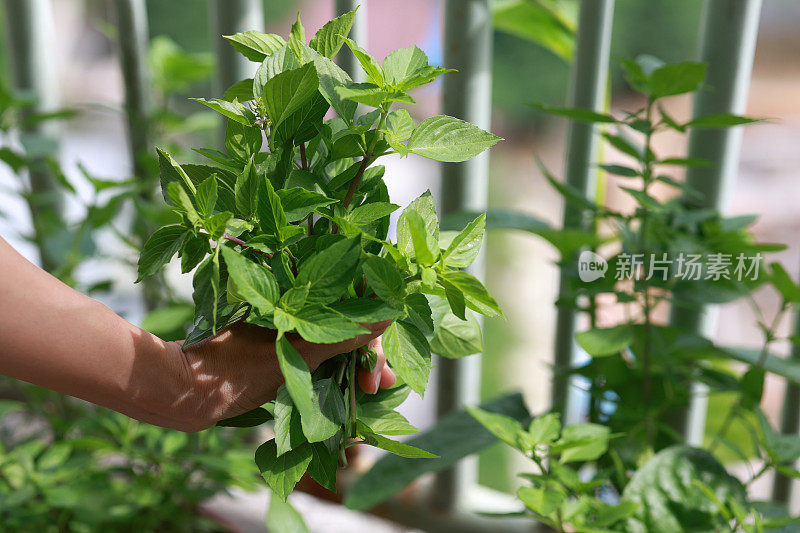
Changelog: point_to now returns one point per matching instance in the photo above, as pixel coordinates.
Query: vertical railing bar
(133, 45)
(359, 33)
(728, 41)
(466, 95)
(133, 33)
(29, 26)
(790, 421)
(588, 88)
(229, 17)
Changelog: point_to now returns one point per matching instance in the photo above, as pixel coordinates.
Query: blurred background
(89, 149)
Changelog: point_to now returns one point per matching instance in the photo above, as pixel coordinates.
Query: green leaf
(372, 95)
(669, 500)
(426, 247)
(385, 279)
(781, 280)
(332, 76)
(217, 224)
(242, 141)
(330, 38)
(686, 162)
(294, 299)
(180, 199)
(778, 365)
(426, 208)
(505, 428)
(206, 196)
(298, 202)
(623, 145)
(464, 248)
(329, 272)
(206, 282)
(580, 115)
(254, 45)
(620, 170)
(547, 24)
(455, 298)
(678, 78)
(246, 190)
(782, 449)
(400, 65)
(544, 429)
(366, 214)
(298, 32)
(288, 91)
(608, 341)
(383, 420)
(250, 281)
(241, 91)
(282, 473)
(172, 69)
(288, 428)
(329, 403)
(752, 384)
(399, 125)
(302, 125)
(252, 418)
(281, 516)
(366, 310)
(271, 216)
(159, 249)
(582, 442)
(449, 139)
(476, 296)
(371, 67)
(298, 379)
(280, 61)
(544, 501)
(392, 446)
(419, 312)
(457, 338)
(720, 121)
(323, 466)
(455, 437)
(322, 325)
(408, 353)
(233, 110)
(226, 317)
(368, 359)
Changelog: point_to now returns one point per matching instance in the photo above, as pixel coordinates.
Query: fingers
(388, 379)
(381, 376)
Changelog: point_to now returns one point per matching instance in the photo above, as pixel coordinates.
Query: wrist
(162, 389)
(186, 395)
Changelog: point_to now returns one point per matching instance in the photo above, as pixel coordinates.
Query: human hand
(238, 370)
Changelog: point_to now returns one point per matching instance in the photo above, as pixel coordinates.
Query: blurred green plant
(627, 468)
(87, 469)
(548, 23)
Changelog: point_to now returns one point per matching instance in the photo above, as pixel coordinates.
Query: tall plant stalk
(133, 45)
(587, 91)
(728, 39)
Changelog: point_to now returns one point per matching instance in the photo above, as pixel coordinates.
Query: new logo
(591, 266)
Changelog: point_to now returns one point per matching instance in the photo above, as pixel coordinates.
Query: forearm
(57, 338)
